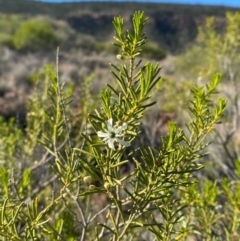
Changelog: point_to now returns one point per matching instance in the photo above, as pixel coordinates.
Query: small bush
(219, 52)
(55, 185)
(153, 51)
(8, 26)
(35, 35)
(102, 47)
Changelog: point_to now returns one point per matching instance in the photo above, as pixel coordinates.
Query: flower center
(112, 135)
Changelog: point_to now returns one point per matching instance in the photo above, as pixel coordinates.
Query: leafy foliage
(8, 26)
(35, 35)
(72, 186)
(218, 52)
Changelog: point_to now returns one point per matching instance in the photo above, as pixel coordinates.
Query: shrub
(153, 51)
(219, 52)
(8, 26)
(76, 187)
(35, 35)
(110, 48)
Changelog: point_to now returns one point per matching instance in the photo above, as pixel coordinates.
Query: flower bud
(92, 187)
(87, 179)
(106, 185)
(119, 56)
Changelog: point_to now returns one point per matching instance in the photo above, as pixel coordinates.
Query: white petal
(110, 125)
(121, 128)
(111, 143)
(106, 139)
(110, 121)
(102, 134)
(124, 125)
(122, 142)
(117, 135)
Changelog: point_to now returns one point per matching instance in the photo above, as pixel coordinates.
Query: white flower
(113, 134)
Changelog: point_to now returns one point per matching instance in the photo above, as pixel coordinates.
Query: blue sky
(230, 3)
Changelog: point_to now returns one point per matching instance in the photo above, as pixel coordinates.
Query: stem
(130, 71)
(80, 210)
(234, 223)
(55, 128)
(60, 99)
(126, 227)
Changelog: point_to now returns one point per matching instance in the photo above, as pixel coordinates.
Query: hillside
(172, 26)
(84, 32)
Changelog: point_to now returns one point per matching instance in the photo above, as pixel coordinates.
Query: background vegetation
(192, 49)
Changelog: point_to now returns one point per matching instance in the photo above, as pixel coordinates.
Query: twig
(62, 103)
(101, 211)
(84, 222)
(40, 187)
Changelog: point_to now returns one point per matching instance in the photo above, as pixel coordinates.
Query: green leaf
(4, 177)
(24, 180)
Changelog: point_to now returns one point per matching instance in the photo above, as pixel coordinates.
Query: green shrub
(74, 187)
(8, 26)
(153, 51)
(219, 52)
(35, 35)
(110, 48)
